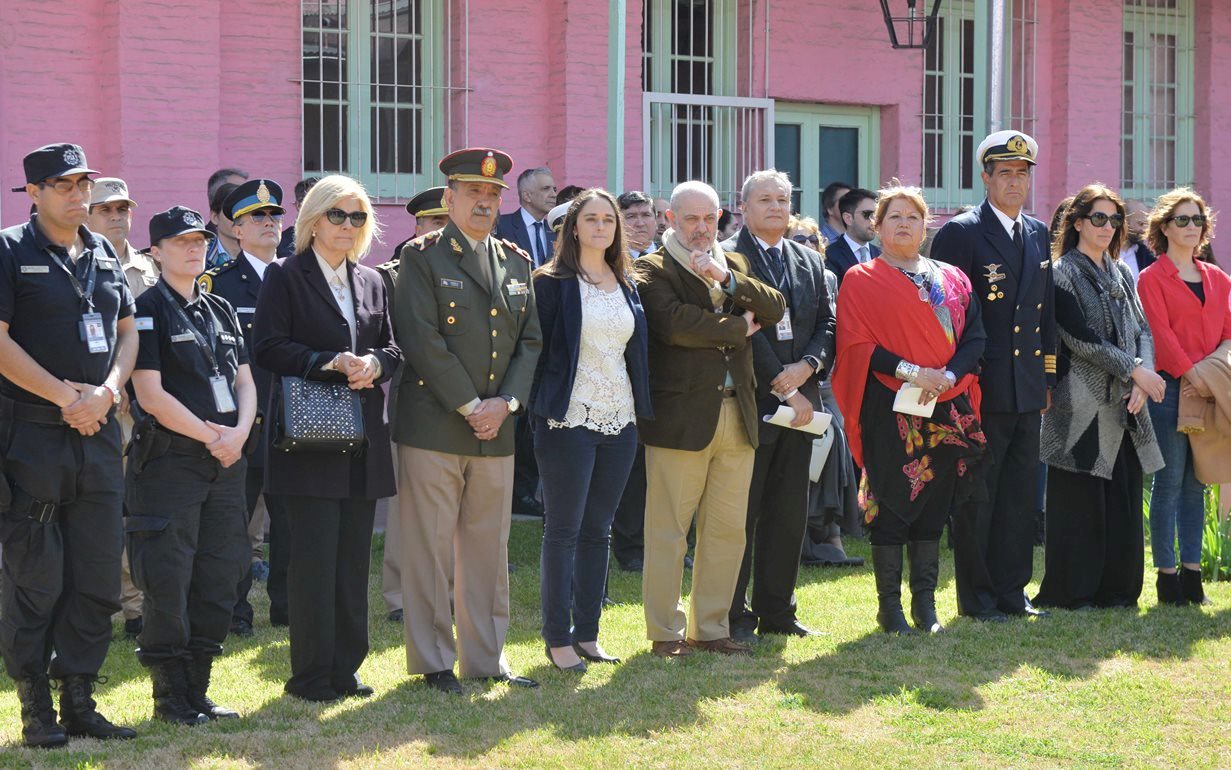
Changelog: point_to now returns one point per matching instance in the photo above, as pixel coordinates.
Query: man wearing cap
(254, 210)
(67, 346)
(187, 533)
(430, 214)
(1004, 252)
(466, 315)
(225, 246)
(111, 216)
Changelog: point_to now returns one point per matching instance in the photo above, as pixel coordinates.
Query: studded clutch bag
(319, 416)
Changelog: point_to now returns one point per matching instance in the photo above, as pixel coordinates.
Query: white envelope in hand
(907, 401)
(784, 415)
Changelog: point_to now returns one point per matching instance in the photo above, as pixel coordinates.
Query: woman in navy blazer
(591, 384)
(323, 316)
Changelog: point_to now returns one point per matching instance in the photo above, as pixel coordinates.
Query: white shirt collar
(260, 266)
(855, 245)
(330, 272)
(530, 220)
(1006, 221)
(768, 246)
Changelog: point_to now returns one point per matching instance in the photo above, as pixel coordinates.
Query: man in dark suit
(1005, 254)
(701, 305)
(789, 360)
(1136, 252)
(854, 245)
(528, 228)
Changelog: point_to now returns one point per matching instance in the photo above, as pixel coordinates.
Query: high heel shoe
(578, 668)
(601, 657)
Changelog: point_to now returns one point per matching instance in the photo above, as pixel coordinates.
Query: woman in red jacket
(1187, 305)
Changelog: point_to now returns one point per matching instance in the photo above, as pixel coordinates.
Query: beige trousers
(455, 512)
(713, 483)
(131, 599)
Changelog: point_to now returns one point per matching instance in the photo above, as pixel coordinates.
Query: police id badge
(93, 333)
(224, 402)
(784, 327)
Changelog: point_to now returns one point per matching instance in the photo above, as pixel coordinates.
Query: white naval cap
(1007, 145)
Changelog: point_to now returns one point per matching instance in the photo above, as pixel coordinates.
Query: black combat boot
(198, 689)
(1190, 584)
(887, 565)
(924, 572)
(79, 713)
(39, 729)
(170, 694)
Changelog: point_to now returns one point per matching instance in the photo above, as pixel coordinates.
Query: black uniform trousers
(628, 526)
(331, 546)
(993, 541)
(187, 547)
(61, 575)
(777, 520)
(279, 556)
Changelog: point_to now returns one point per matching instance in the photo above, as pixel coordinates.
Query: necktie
(1018, 241)
(775, 263)
(540, 245)
(339, 290)
(480, 249)
(863, 255)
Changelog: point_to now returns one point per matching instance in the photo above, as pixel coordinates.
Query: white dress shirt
(860, 250)
(339, 283)
(1007, 222)
(260, 266)
(539, 259)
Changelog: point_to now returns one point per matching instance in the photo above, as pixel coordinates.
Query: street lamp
(917, 28)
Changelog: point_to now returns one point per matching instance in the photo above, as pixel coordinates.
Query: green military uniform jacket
(461, 339)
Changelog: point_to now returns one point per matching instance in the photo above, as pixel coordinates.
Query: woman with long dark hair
(590, 386)
(1097, 438)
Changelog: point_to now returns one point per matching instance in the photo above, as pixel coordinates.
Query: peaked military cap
(1007, 145)
(477, 164)
(253, 195)
(429, 203)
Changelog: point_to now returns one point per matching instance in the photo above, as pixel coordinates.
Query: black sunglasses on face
(261, 216)
(338, 216)
(1099, 219)
(1184, 219)
(806, 239)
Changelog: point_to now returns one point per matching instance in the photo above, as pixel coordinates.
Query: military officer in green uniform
(466, 317)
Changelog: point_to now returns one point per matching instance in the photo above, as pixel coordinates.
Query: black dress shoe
(241, 628)
(991, 616)
(279, 619)
(513, 680)
(526, 505)
(353, 688)
(791, 629)
(1027, 610)
(133, 627)
(744, 634)
(635, 564)
(577, 668)
(396, 616)
(445, 681)
(602, 657)
(322, 695)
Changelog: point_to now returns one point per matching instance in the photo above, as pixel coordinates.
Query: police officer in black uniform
(1005, 254)
(186, 524)
(255, 209)
(67, 346)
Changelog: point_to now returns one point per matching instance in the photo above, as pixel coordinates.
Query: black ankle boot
(1190, 584)
(198, 689)
(171, 694)
(1169, 591)
(924, 572)
(38, 716)
(79, 713)
(887, 565)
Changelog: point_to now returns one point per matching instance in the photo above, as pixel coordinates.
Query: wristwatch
(514, 404)
(814, 362)
(115, 394)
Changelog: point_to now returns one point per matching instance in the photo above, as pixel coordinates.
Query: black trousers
(62, 576)
(993, 542)
(279, 542)
(188, 545)
(891, 528)
(1095, 539)
(777, 520)
(628, 526)
(331, 546)
(525, 465)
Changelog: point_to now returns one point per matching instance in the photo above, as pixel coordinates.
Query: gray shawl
(1103, 337)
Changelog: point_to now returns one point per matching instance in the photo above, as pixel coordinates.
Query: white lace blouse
(602, 398)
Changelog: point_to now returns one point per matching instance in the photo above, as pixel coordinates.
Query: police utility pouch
(319, 416)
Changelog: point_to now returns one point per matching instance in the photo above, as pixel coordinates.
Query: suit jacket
(693, 348)
(1017, 297)
(237, 282)
(559, 308)
(839, 258)
(812, 323)
(298, 329)
(512, 227)
(462, 340)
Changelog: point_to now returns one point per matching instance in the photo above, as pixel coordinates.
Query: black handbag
(319, 416)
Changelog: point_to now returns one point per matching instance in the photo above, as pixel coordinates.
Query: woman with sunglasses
(323, 316)
(1097, 438)
(1186, 303)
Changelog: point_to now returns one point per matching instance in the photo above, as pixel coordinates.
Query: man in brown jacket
(701, 305)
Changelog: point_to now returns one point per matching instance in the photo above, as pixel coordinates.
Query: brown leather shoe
(674, 648)
(724, 646)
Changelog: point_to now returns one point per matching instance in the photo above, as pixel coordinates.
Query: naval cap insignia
(1017, 144)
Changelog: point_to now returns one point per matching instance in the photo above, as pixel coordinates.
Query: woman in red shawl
(905, 320)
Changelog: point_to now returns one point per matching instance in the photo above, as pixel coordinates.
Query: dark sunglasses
(812, 239)
(1182, 220)
(338, 216)
(1099, 219)
(261, 216)
(867, 214)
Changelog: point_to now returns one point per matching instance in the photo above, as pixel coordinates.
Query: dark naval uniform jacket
(1017, 296)
(463, 338)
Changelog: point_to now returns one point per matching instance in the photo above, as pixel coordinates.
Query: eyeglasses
(65, 186)
(338, 216)
(812, 239)
(1183, 220)
(1099, 219)
(261, 216)
(867, 214)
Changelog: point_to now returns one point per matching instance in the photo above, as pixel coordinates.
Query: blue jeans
(1177, 499)
(583, 474)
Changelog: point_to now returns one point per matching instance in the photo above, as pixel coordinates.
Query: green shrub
(1216, 540)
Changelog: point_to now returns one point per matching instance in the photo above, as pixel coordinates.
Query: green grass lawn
(1104, 688)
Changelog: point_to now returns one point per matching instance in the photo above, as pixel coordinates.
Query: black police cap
(54, 160)
(175, 221)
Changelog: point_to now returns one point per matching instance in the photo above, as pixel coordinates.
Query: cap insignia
(1017, 145)
(72, 157)
(262, 193)
(488, 167)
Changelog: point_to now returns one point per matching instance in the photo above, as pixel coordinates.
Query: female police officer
(187, 523)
